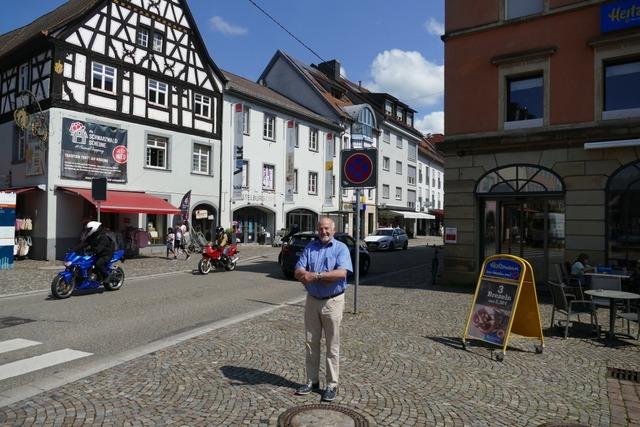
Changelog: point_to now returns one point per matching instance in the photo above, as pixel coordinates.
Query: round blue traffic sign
(358, 168)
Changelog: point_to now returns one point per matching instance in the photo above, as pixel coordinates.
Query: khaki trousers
(322, 315)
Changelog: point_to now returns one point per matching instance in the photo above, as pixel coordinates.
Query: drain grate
(7, 322)
(327, 414)
(623, 374)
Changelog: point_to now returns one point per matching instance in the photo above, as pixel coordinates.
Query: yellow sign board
(504, 303)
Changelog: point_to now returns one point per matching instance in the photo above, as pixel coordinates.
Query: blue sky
(391, 46)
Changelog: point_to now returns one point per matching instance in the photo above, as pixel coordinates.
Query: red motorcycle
(214, 257)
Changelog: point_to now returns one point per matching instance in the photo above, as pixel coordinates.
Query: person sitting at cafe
(581, 266)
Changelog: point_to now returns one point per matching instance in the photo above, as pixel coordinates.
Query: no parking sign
(359, 168)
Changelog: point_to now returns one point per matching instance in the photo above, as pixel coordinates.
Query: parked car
(292, 250)
(387, 239)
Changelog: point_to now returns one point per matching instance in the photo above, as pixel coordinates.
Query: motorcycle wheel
(230, 266)
(116, 281)
(204, 266)
(61, 289)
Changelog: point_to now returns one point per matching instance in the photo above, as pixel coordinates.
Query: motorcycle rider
(95, 238)
(222, 241)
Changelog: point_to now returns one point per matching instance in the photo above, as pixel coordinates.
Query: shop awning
(437, 212)
(20, 189)
(414, 215)
(127, 202)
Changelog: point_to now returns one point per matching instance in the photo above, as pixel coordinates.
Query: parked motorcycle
(212, 258)
(79, 273)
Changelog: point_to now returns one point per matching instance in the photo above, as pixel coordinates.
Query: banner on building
(7, 229)
(90, 150)
(619, 15)
(238, 157)
(185, 205)
(290, 171)
(329, 177)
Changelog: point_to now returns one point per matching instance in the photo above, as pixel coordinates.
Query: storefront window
(623, 216)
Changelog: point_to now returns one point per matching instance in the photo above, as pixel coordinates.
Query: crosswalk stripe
(16, 344)
(35, 363)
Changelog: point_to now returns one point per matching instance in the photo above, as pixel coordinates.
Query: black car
(292, 250)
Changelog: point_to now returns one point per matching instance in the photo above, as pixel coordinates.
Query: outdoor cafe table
(611, 296)
(617, 276)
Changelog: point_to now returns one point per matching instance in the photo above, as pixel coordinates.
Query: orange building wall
(460, 14)
(471, 81)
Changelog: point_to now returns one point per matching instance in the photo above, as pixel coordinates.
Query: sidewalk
(401, 365)
(29, 275)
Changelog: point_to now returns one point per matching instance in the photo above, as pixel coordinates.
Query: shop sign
(619, 15)
(201, 213)
(90, 150)
(450, 235)
(7, 229)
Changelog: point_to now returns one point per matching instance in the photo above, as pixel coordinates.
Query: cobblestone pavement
(401, 364)
(29, 275)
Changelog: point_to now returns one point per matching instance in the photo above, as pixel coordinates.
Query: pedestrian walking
(171, 238)
(179, 242)
(322, 269)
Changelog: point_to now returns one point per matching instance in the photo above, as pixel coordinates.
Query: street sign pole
(356, 268)
(98, 205)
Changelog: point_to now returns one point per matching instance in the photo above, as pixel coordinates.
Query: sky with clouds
(392, 47)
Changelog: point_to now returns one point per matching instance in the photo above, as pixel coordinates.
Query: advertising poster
(492, 311)
(91, 150)
(7, 229)
(290, 174)
(238, 157)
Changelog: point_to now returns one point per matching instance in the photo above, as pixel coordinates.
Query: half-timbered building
(122, 89)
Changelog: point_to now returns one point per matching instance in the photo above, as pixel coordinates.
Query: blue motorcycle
(79, 273)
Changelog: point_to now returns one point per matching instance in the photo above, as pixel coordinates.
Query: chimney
(330, 68)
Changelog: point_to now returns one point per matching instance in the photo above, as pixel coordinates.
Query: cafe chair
(570, 307)
(573, 284)
(632, 315)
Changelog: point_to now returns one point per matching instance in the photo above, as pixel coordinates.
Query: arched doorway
(522, 213)
(305, 218)
(252, 224)
(623, 216)
(204, 219)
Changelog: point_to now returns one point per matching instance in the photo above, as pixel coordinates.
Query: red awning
(437, 212)
(19, 190)
(127, 202)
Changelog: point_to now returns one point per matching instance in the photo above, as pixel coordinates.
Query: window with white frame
(439, 183)
(142, 38)
(525, 98)
(103, 78)
(295, 181)
(410, 119)
(313, 139)
(398, 167)
(268, 177)
(201, 159)
(385, 191)
(245, 174)
(23, 77)
(386, 136)
(157, 152)
(411, 199)
(412, 151)
(518, 8)
(158, 41)
(399, 142)
(313, 183)
(420, 174)
(345, 143)
(388, 108)
(411, 175)
(202, 105)
(386, 163)
(157, 92)
(621, 88)
(269, 127)
(399, 113)
(398, 193)
(370, 194)
(246, 117)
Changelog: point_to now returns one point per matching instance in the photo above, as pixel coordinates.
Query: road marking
(16, 344)
(35, 363)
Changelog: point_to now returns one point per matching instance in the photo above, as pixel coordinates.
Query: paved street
(402, 364)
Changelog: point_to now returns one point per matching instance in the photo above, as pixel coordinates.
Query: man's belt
(329, 297)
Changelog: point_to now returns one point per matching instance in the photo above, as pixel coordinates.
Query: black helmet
(219, 230)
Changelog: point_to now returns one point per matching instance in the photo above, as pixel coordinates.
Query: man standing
(322, 269)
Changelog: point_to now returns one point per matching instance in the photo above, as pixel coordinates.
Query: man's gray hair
(326, 218)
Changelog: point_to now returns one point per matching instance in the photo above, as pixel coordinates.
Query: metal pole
(356, 268)
(98, 204)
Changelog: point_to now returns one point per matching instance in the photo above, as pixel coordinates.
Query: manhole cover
(7, 322)
(321, 414)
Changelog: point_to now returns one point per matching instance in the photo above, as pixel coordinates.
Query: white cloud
(434, 27)
(431, 123)
(408, 76)
(220, 25)
(343, 72)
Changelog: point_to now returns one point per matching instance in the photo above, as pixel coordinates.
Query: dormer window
(388, 108)
(399, 113)
(336, 93)
(410, 119)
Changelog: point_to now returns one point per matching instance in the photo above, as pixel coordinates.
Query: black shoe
(330, 394)
(308, 388)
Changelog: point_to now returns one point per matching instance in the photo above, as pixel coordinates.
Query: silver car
(387, 239)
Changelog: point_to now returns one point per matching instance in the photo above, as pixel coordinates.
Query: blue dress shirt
(319, 258)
